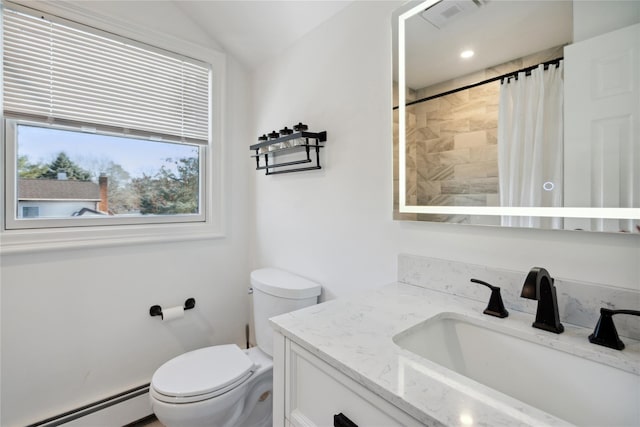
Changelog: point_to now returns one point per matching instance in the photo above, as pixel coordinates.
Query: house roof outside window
(53, 189)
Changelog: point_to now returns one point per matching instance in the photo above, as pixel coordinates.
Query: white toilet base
(248, 405)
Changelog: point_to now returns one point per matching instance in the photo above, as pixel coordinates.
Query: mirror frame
(403, 208)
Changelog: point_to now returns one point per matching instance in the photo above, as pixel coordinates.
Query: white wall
(592, 18)
(335, 225)
(75, 323)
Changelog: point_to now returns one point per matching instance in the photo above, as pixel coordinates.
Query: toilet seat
(201, 374)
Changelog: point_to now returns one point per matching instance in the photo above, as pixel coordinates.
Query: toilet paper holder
(156, 310)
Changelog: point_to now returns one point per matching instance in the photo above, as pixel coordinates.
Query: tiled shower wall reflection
(451, 152)
(455, 140)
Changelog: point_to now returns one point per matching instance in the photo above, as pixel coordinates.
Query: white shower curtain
(530, 135)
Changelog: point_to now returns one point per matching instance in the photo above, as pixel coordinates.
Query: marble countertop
(354, 335)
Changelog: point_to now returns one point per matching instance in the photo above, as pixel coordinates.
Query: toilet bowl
(214, 386)
(223, 385)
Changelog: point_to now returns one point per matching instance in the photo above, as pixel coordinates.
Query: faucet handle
(605, 332)
(496, 306)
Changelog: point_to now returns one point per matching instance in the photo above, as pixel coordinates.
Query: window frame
(106, 231)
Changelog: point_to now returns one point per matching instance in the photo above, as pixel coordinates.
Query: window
(101, 130)
(67, 173)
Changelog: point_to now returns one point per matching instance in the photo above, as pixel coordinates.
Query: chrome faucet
(539, 286)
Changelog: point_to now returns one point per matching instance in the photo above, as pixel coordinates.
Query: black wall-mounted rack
(301, 141)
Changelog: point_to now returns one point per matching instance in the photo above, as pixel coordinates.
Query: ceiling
(254, 31)
(498, 32)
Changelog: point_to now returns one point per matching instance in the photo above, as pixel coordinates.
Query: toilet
(223, 385)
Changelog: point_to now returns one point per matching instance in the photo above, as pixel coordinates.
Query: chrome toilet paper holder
(156, 310)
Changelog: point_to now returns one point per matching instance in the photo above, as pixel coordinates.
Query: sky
(136, 156)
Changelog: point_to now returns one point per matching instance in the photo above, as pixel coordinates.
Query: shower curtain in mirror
(530, 135)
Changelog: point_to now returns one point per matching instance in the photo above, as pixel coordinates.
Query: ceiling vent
(443, 13)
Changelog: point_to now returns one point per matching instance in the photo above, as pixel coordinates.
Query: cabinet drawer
(316, 392)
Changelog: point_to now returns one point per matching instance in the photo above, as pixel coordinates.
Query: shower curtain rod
(512, 74)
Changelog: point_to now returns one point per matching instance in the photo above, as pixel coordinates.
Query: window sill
(28, 241)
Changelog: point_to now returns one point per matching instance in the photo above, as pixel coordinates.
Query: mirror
(540, 127)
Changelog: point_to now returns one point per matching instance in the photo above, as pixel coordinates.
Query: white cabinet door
(315, 392)
(602, 126)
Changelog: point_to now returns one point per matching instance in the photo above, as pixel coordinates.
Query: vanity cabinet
(308, 392)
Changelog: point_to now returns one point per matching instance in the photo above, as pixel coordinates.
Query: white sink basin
(575, 389)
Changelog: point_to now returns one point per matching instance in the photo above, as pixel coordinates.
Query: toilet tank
(277, 292)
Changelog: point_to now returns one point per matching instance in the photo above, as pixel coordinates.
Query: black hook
(156, 310)
(496, 306)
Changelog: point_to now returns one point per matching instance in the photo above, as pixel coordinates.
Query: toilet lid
(202, 371)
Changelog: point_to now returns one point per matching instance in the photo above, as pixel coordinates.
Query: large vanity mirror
(522, 113)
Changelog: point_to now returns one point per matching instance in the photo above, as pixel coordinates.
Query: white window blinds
(63, 72)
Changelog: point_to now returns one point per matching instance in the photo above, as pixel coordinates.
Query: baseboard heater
(85, 410)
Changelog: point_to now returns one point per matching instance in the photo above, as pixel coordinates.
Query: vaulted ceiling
(253, 31)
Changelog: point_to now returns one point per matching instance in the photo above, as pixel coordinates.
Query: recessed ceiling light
(466, 54)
